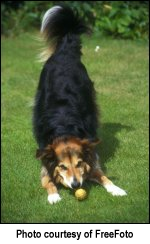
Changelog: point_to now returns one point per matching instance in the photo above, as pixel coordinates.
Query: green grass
(120, 73)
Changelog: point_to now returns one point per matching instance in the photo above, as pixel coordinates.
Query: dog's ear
(46, 153)
(88, 150)
(90, 143)
(87, 168)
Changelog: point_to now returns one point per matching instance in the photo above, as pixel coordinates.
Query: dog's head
(72, 160)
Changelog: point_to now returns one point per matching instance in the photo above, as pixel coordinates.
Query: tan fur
(98, 176)
(48, 185)
(45, 49)
(105, 180)
(61, 146)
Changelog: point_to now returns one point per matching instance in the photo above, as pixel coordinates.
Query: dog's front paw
(115, 190)
(53, 198)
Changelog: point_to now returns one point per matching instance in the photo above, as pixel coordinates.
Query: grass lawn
(120, 73)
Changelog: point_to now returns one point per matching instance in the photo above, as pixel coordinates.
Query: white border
(8, 233)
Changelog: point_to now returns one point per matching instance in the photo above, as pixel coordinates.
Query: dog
(65, 115)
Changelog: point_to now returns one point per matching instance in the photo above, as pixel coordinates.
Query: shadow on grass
(110, 143)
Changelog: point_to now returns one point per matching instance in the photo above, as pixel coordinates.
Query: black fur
(65, 100)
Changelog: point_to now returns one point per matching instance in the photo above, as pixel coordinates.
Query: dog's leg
(98, 176)
(47, 183)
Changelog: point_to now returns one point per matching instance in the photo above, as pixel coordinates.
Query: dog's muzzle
(75, 184)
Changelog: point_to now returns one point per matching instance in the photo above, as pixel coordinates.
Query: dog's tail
(58, 22)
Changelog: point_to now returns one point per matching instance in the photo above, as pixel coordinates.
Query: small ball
(80, 194)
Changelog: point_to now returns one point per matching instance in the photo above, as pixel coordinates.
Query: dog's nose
(75, 184)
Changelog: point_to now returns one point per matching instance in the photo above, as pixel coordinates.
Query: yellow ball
(80, 194)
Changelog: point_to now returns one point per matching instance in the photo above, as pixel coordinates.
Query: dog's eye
(79, 163)
(63, 167)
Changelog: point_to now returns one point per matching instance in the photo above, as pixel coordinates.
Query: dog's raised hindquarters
(65, 116)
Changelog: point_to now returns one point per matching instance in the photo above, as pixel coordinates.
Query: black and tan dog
(65, 113)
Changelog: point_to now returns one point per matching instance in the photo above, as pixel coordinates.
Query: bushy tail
(58, 21)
